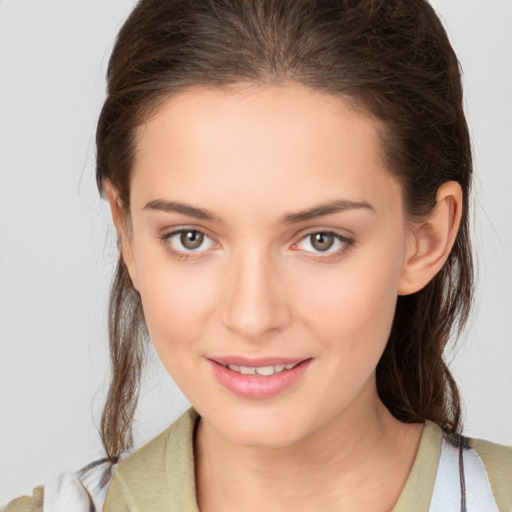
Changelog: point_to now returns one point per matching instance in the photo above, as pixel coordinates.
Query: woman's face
(266, 233)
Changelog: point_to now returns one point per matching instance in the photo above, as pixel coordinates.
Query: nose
(254, 301)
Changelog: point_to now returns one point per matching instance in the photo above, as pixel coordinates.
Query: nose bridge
(254, 304)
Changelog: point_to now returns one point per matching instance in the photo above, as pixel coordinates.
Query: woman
(289, 182)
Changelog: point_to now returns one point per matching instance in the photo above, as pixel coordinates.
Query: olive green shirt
(160, 476)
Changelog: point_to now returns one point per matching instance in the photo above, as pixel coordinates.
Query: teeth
(262, 371)
(265, 371)
(247, 370)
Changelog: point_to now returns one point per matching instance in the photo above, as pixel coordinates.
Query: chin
(259, 429)
(263, 439)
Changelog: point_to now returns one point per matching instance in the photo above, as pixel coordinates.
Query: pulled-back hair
(392, 59)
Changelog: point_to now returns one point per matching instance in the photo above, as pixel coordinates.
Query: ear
(431, 240)
(121, 221)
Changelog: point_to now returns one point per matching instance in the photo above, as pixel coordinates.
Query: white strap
(447, 487)
(69, 493)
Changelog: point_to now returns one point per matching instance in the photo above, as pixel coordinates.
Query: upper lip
(257, 361)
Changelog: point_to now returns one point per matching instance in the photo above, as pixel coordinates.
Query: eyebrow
(340, 205)
(290, 218)
(185, 209)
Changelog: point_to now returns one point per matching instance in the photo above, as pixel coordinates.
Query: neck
(358, 461)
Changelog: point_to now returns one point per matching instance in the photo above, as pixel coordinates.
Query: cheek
(352, 307)
(345, 308)
(177, 299)
(173, 300)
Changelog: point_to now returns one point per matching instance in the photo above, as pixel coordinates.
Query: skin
(257, 286)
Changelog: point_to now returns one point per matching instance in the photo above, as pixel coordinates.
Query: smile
(260, 381)
(262, 371)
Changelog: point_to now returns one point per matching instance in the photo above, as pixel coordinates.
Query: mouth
(260, 371)
(258, 379)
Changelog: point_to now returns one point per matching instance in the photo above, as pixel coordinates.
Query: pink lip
(253, 386)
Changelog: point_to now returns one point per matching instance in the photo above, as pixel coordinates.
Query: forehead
(288, 111)
(252, 141)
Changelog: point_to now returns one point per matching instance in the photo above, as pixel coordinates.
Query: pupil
(191, 239)
(322, 241)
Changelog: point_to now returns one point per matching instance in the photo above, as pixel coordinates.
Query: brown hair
(394, 60)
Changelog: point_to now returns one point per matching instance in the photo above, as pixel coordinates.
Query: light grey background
(57, 248)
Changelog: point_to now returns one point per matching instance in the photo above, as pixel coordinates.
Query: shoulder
(32, 503)
(160, 474)
(450, 468)
(82, 491)
(174, 443)
(479, 471)
(497, 460)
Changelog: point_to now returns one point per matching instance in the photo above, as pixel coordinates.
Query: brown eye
(191, 239)
(322, 241)
(186, 242)
(325, 244)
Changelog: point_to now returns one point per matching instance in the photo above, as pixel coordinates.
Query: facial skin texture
(257, 287)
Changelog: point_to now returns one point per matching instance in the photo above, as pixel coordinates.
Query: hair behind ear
(127, 333)
(413, 379)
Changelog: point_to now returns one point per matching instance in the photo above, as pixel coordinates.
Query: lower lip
(254, 387)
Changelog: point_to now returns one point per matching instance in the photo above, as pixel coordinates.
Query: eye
(188, 240)
(325, 242)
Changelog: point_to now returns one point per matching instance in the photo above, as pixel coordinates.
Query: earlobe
(120, 219)
(431, 241)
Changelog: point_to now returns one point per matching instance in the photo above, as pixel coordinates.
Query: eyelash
(346, 245)
(346, 242)
(181, 255)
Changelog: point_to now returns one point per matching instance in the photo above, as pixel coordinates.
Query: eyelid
(184, 253)
(346, 241)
